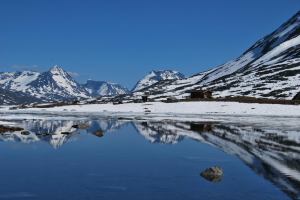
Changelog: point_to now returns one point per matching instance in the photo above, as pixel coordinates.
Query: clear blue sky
(122, 40)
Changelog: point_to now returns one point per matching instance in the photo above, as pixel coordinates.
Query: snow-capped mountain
(55, 84)
(157, 76)
(102, 88)
(269, 69)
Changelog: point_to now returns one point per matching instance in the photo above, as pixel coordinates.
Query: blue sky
(121, 41)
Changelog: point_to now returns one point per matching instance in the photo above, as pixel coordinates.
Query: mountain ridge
(104, 88)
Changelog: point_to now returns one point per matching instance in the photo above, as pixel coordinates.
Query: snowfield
(181, 108)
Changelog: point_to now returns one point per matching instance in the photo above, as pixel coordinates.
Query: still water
(110, 158)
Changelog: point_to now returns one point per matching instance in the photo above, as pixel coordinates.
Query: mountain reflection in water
(270, 152)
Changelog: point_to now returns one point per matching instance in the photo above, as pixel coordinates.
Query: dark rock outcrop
(297, 97)
(99, 133)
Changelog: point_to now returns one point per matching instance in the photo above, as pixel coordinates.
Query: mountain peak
(297, 14)
(156, 76)
(56, 69)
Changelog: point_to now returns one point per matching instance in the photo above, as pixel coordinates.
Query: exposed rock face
(213, 174)
(297, 97)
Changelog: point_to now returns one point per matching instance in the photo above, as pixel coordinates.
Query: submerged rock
(99, 133)
(83, 126)
(213, 174)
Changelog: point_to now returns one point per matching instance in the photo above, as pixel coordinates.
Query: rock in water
(83, 126)
(99, 133)
(213, 174)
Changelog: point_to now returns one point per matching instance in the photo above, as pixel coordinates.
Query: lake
(72, 157)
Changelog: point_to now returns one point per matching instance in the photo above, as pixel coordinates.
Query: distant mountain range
(53, 85)
(58, 85)
(268, 69)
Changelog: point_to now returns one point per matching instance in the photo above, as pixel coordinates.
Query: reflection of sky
(122, 164)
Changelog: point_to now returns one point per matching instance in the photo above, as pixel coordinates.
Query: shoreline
(208, 108)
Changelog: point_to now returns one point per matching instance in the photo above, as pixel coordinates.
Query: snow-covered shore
(184, 108)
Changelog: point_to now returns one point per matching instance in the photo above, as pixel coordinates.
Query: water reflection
(273, 154)
(270, 152)
(58, 132)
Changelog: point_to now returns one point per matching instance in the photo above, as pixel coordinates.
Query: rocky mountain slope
(8, 97)
(154, 77)
(269, 69)
(102, 88)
